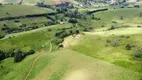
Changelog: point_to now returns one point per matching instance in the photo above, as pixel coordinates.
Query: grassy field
(103, 61)
(96, 45)
(70, 65)
(34, 38)
(65, 65)
(34, 2)
(11, 24)
(21, 10)
(131, 18)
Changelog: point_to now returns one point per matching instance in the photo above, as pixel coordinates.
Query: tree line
(17, 54)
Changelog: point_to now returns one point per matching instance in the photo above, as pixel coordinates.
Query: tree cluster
(17, 54)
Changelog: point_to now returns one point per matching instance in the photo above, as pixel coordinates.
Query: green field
(131, 18)
(21, 10)
(66, 65)
(34, 38)
(100, 54)
(34, 2)
(96, 45)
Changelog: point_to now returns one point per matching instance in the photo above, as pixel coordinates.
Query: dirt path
(35, 60)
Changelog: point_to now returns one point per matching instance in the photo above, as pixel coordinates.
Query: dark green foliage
(121, 17)
(0, 4)
(18, 56)
(128, 46)
(2, 55)
(112, 28)
(49, 30)
(108, 41)
(2, 36)
(138, 52)
(137, 6)
(58, 40)
(73, 21)
(139, 26)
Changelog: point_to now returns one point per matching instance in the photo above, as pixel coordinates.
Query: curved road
(37, 57)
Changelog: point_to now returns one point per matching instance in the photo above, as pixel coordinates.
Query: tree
(128, 46)
(18, 55)
(2, 55)
(138, 52)
(0, 4)
(74, 21)
(137, 6)
(2, 36)
(121, 17)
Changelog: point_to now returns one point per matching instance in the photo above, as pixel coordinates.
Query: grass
(33, 39)
(95, 45)
(10, 70)
(21, 10)
(69, 65)
(64, 65)
(36, 38)
(34, 2)
(131, 18)
(40, 21)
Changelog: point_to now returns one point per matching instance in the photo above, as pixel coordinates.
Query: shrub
(49, 30)
(58, 41)
(121, 17)
(138, 52)
(18, 55)
(2, 55)
(137, 6)
(108, 41)
(115, 43)
(139, 26)
(112, 28)
(128, 47)
(73, 21)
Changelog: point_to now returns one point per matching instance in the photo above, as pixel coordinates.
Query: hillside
(101, 45)
(34, 2)
(68, 65)
(66, 42)
(21, 10)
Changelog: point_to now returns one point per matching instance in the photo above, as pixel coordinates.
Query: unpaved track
(35, 60)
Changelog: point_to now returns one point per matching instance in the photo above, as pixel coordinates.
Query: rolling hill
(33, 2)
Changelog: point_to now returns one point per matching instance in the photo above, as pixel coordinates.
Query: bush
(108, 41)
(115, 43)
(58, 41)
(138, 52)
(136, 6)
(128, 47)
(139, 26)
(112, 28)
(18, 56)
(2, 55)
(2, 36)
(73, 21)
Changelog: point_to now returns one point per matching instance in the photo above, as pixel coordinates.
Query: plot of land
(70, 65)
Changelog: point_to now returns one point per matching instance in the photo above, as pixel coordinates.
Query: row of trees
(17, 54)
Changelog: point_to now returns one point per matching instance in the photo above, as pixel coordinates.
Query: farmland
(67, 42)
